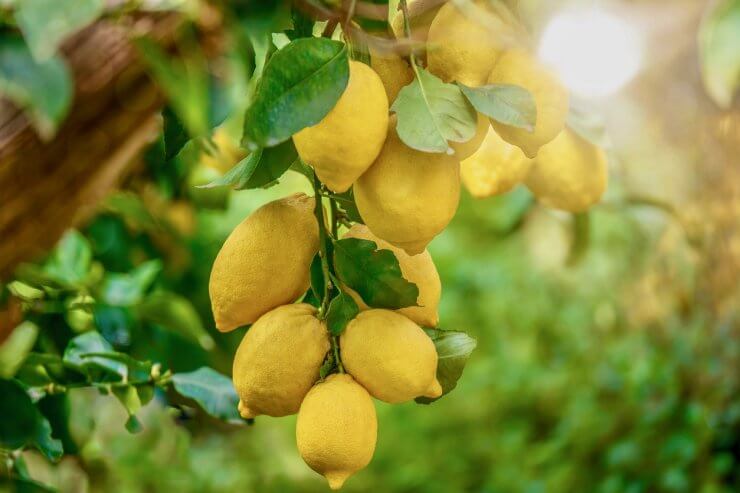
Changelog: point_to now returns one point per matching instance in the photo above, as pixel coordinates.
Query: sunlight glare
(595, 53)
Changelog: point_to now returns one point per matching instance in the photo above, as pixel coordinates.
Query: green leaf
(300, 85)
(175, 133)
(177, 314)
(431, 113)
(22, 423)
(128, 396)
(453, 350)
(719, 42)
(213, 391)
(505, 103)
(317, 277)
(46, 23)
(374, 274)
(44, 89)
(133, 425)
(261, 168)
(70, 261)
(341, 310)
(78, 355)
(129, 288)
(327, 366)
(16, 347)
(24, 485)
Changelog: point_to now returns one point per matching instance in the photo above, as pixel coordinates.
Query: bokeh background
(608, 345)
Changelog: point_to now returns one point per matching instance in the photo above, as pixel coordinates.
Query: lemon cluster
(261, 270)
(477, 43)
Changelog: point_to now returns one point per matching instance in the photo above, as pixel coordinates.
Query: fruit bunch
(341, 301)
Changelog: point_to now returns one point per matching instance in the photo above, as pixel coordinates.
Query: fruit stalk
(324, 238)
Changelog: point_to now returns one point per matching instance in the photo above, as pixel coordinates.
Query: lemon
(420, 18)
(407, 197)
(418, 269)
(278, 361)
(344, 144)
(337, 428)
(264, 262)
(464, 150)
(465, 41)
(495, 168)
(226, 153)
(393, 71)
(390, 356)
(569, 173)
(519, 68)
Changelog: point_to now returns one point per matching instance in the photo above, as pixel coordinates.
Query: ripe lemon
(264, 262)
(519, 68)
(393, 71)
(337, 428)
(278, 361)
(569, 173)
(465, 41)
(407, 197)
(495, 168)
(226, 154)
(418, 269)
(420, 18)
(344, 144)
(390, 356)
(464, 150)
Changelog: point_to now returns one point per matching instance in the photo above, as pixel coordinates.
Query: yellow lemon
(464, 150)
(495, 168)
(407, 197)
(344, 144)
(570, 173)
(519, 68)
(393, 71)
(278, 361)
(264, 262)
(337, 428)
(390, 356)
(418, 269)
(465, 41)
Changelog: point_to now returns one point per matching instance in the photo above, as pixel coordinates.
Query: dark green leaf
(23, 424)
(505, 103)
(129, 397)
(46, 23)
(301, 84)
(374, 274)
(261, 168)
(317, 277)
(24, 485)
(133, 425)
(175, 134)
(453, 350)
(328, 365)
(177, 314)
(213, 391)
(302, 25)
(44, 88)
(431, 113)
(341, 310)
